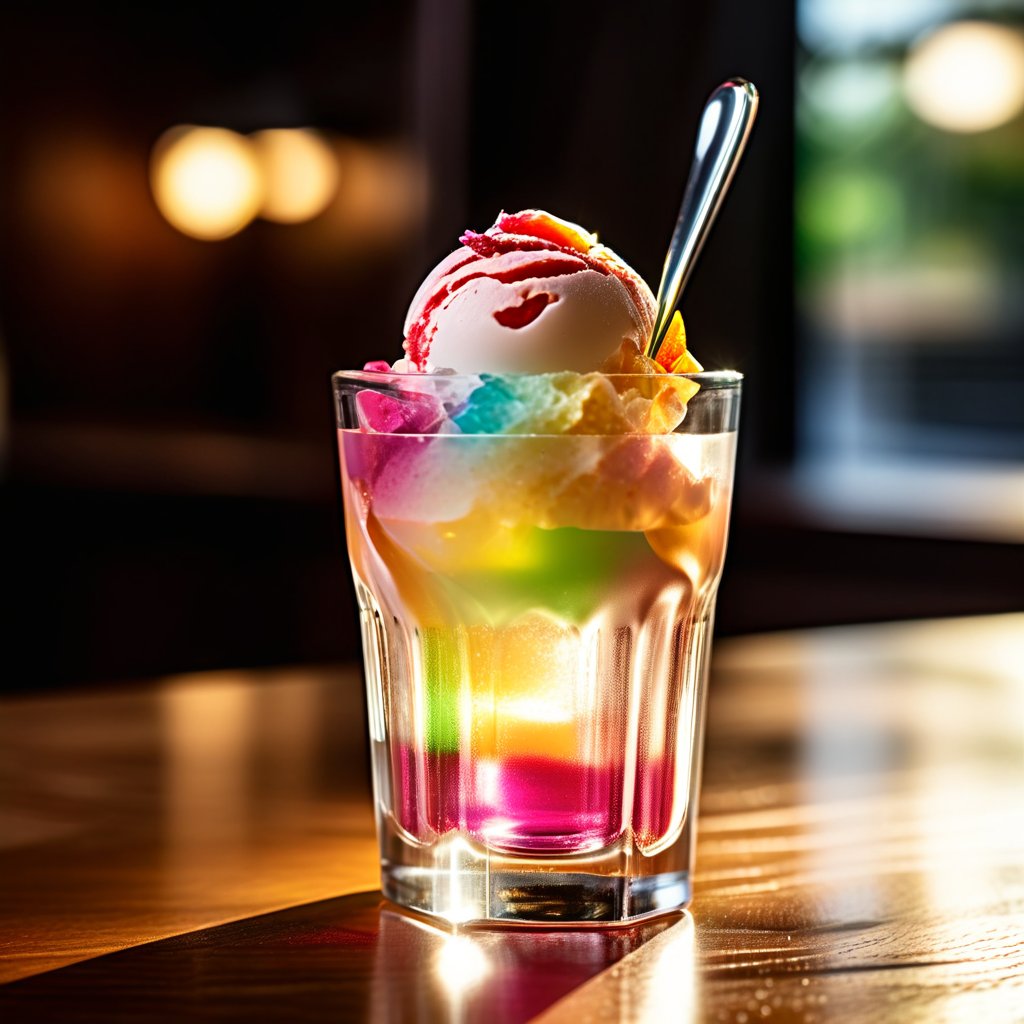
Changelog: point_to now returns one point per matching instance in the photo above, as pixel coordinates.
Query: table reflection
(426, 973)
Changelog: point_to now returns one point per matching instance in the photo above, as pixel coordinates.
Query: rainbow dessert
(536, 536)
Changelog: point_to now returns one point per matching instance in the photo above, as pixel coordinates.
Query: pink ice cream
(532, 294)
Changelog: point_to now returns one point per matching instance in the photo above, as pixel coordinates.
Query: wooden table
(202, 847)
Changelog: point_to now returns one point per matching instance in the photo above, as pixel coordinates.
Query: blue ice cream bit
(493, 407)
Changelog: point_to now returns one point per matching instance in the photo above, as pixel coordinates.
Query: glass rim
(709, 380)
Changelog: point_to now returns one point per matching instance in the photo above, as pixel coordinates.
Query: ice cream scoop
(532, 294)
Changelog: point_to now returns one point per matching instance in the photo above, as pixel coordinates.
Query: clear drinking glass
(536, 615)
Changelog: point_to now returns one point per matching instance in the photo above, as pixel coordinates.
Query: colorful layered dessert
(536, 543)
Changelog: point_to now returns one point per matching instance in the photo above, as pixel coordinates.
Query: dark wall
(170, 481)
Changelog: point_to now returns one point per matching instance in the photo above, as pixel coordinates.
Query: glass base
(470, 885)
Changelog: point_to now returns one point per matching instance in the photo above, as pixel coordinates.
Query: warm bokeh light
(383, 196)
(206, 181)
(967, 76)
(300, 173)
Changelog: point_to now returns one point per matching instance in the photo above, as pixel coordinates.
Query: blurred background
(204, 214)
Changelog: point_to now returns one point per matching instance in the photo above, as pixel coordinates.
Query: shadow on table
(355, 957)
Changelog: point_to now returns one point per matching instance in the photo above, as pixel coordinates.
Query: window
(910, 263)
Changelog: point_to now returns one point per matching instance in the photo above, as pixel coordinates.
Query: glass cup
(536, 615)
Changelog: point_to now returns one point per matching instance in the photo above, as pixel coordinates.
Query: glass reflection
(423, 973)
(461, 964)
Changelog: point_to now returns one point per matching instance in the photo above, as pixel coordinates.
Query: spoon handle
(724, 129)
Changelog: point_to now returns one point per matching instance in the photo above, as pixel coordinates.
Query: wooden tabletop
(202, 847)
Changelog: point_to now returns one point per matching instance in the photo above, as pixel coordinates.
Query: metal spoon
(724, 129)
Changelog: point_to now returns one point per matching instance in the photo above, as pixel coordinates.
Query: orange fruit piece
(673, 354)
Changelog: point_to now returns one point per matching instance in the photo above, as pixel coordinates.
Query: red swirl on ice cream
(532, 294)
